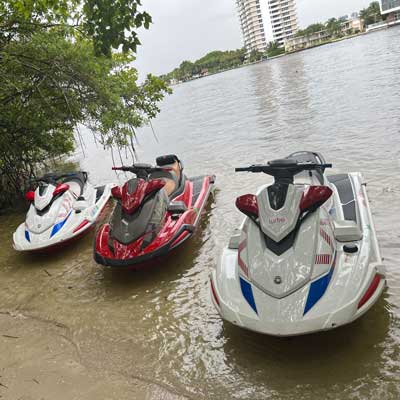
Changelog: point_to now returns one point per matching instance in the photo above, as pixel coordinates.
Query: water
(157, 330)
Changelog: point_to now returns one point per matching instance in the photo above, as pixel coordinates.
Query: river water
(158, 329)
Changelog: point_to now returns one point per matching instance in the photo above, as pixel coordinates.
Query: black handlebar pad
(53, 177)
(146, 168)
(270, 169)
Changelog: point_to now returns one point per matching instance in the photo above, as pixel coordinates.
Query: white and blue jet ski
(306, 257)
(62, 208)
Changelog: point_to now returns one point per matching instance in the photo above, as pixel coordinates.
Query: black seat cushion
(166, 160)
(77, 182)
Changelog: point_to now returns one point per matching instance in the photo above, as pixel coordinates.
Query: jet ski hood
(279, 255)
(49, 207)
(278, 218)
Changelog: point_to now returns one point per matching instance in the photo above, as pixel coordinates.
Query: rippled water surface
(159, 326)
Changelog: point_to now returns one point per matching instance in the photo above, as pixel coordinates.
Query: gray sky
(188, 29)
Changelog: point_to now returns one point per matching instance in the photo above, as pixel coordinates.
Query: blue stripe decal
(58, 226)
(27, 237)
(318, 288)
(248, 294)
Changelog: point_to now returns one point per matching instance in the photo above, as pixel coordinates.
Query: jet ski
(62, 208)
(156, 212)
(306, 257)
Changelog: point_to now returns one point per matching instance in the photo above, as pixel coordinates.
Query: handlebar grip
(120, 168)
(315, 166)
(242, 169)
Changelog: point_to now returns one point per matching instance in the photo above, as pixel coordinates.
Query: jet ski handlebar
(271, 168)
(141, 170)
(283, 170)
(53, 177)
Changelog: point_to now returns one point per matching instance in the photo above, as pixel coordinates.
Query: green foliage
(254, 56)
(56, 74)
(313, 28)
(334, 27)
(212, 62)
(276, 52)
(274, 49)
(371, 14)
(107, 23)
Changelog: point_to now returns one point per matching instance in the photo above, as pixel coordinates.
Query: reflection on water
(159, 325)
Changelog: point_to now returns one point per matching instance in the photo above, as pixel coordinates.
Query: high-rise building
(391, 8)
(265, 21)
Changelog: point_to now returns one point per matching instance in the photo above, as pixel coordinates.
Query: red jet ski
(155, 213)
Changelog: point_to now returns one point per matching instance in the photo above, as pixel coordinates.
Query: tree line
(210, 63)
(65, 63)
(333, 26)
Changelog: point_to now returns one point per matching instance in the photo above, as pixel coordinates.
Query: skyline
(187, 30)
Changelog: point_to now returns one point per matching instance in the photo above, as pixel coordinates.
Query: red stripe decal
(81, 225)
(241, 263)
(371, 290)
(323, 259)
(214, 293)
(326, 237)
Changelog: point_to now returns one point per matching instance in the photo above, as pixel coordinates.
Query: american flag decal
(326, 237)
(324, 259)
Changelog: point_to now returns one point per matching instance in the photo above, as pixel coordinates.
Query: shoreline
(331, 41)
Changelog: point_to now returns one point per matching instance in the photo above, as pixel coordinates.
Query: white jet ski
(63, 208)
(306, 257)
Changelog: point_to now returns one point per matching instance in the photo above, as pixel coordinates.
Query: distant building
(304, 42)
(355, 15)
(264, 21)
(391, 8)
(352, 26)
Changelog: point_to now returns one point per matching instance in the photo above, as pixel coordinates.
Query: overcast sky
(188, 29)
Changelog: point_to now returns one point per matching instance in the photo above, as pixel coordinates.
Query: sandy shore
(39, 361)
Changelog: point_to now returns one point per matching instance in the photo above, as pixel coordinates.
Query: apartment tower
(265, 21)
(390, 8)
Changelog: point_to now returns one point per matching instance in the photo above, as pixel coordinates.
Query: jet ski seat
(173, 177)
(76, 182)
